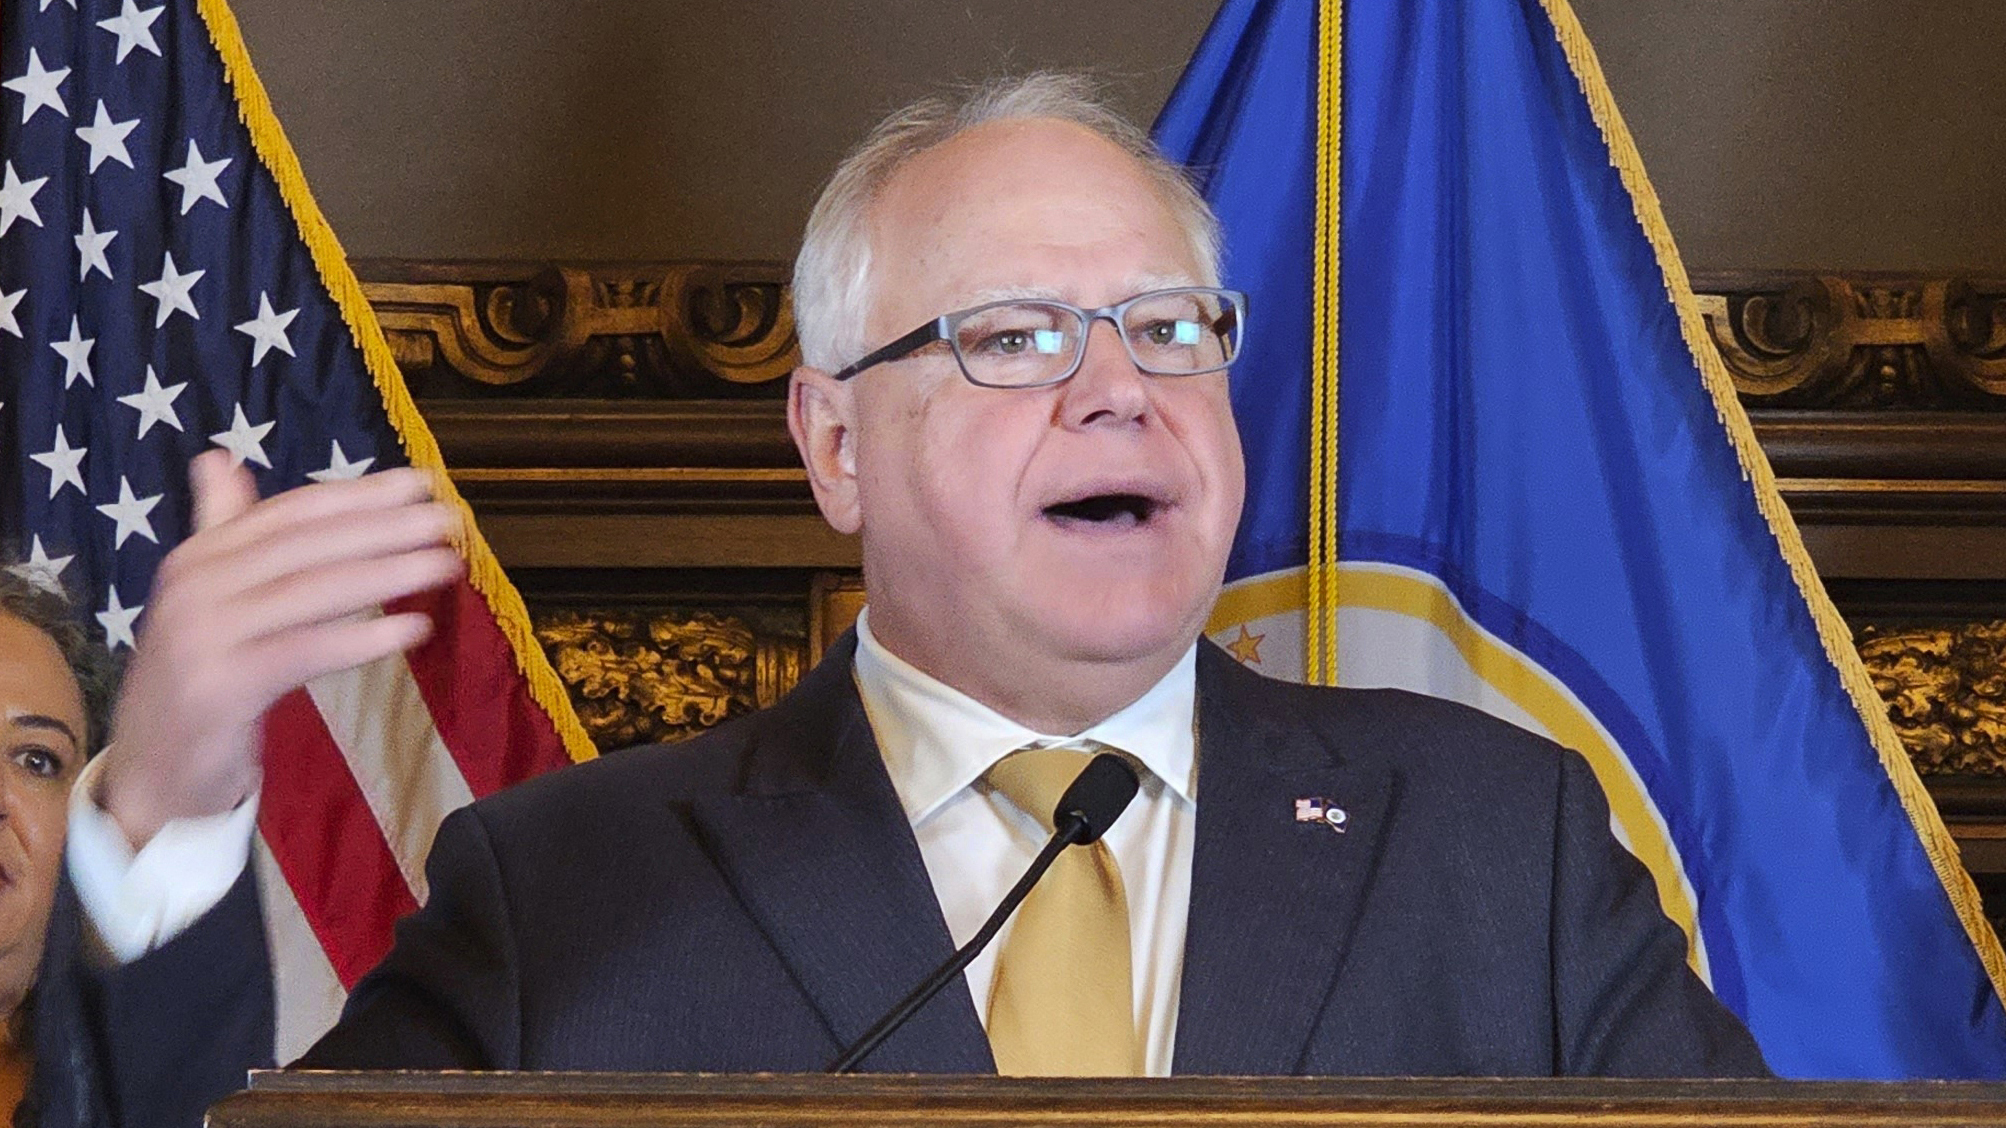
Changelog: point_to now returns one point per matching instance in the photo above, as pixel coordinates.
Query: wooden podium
(603, 1100)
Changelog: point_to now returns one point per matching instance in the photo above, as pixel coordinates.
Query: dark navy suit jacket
(754, 898)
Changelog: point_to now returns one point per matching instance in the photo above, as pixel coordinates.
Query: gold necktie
(1061, 1003)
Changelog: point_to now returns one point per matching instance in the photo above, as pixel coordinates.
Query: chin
(1114, 628)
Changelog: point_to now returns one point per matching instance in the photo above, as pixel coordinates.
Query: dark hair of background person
(90, 662)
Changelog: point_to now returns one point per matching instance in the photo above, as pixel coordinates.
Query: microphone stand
(1068, 833)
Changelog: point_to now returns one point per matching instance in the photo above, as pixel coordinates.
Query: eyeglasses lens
(1028, 343)
(1182, 331)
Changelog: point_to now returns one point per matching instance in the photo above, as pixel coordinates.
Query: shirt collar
(936, 740)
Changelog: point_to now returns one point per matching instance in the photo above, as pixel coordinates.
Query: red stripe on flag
(327, 841)
(479, 699)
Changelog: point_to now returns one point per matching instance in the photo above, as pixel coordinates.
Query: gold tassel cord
(1832, 631)
(1320, 618)
(484, 572)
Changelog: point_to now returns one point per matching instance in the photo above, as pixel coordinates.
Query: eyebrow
(1012, 294)
(1137, 284)
(1144, 283)
(38, 721)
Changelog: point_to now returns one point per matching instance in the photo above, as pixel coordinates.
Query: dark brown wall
(1843, 134)
(1840, 134)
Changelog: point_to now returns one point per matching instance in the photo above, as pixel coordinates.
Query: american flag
(167, 284)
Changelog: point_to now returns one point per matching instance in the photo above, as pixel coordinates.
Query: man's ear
(822, 417)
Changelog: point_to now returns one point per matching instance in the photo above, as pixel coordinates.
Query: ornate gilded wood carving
(1831, 341)
(1946, 691)
(644, 676)
(662, 330)
(641, 677)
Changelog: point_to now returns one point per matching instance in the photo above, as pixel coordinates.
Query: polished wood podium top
(304, 1099)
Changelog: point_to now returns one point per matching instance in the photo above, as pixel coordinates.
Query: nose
(1108, 390)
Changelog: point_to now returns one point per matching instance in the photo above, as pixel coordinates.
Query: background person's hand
(261, 598)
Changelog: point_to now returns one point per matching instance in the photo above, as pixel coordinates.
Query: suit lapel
(1273, 900)
(815, 844)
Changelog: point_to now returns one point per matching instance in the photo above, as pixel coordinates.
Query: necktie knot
(1035, 779)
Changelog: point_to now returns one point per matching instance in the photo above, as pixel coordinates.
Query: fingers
(343, 589)
(258, 571)
(242, 545)
(273, 549)
(222, 489)
(296, 657)
(308, 507)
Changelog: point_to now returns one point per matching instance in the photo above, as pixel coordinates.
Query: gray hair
(832, 273)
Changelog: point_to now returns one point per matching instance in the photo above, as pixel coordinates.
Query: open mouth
(1109, 510)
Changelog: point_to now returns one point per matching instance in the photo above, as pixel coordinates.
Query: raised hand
(263, 597)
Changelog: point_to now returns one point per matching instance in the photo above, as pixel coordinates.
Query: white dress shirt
(137, 902)
(937, 742)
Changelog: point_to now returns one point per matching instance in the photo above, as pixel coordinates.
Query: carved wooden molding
(686, 330)
(725, 330)
(1860, 341)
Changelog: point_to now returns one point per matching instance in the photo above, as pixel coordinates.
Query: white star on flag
(65, 464)
(107, 138)
(42, 570)
(38, 88)
(46, 3)
(130, 514)
(173, 290)
(339, 468)
(268, 330)
(90, 248)
(8, 322)
(198, 178)
(155, 404)
(134, 28)
(76, 354)
(244, 442)
(117, 622)
(17, 199)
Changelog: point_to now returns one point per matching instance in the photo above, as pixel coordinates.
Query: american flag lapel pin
(1318, 810)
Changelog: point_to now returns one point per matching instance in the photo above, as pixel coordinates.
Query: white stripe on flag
(380, 722)
(306, 991)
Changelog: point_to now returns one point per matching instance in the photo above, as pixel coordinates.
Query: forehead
(1022, 206)
(34, 678)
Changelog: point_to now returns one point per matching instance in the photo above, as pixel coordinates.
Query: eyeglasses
(1033, 343)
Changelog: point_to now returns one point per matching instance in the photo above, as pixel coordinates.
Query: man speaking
(1015, 391)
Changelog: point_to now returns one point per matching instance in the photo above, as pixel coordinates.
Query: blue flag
(1492, 456)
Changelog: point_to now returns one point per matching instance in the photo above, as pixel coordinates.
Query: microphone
(1097, 797)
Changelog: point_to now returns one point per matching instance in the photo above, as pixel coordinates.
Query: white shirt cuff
(137, 903)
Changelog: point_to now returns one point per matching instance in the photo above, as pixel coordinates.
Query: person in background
(56, 682)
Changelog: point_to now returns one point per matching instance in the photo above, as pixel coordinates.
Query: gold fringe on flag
(1832, 630)
(484, 572)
